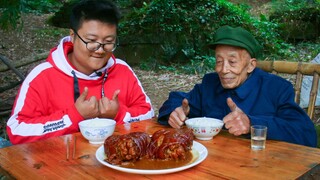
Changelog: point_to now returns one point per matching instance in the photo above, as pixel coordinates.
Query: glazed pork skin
(126, 148)
(171, 144)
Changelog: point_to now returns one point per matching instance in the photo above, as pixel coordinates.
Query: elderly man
(241, 95)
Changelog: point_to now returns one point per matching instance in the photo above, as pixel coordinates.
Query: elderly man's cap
(238, 37)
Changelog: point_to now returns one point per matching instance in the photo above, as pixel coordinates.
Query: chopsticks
(74, 147)
(68, 148)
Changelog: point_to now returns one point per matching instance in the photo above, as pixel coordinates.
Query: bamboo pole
(313, 95)
(289, 67)
(297, 87)
(299, 69)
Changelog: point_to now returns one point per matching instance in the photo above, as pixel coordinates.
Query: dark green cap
(238, 37)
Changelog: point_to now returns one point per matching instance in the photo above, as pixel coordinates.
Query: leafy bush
(180, 30)
(298, 20)
(9, 14)
(186, 27)
(41, 6)
(10, 11)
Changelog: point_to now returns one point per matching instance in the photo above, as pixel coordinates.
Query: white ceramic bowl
(97, 130)
(204, 128)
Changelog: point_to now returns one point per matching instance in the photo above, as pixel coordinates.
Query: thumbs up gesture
(179, 115)
(237, 122)
(88, 108)
(109, 107)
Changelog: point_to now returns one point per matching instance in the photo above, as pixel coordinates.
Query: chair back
(299, 69)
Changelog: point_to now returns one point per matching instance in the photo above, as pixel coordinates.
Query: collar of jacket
(244, 90)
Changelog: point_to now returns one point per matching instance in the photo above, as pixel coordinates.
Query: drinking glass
(258, 137)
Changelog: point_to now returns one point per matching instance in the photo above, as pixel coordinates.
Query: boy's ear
(71, 34)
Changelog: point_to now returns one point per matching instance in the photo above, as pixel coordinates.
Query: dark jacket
(267, 100)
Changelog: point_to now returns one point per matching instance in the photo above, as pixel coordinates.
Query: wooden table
(228, 157)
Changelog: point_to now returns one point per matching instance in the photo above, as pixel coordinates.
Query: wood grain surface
(229, 157)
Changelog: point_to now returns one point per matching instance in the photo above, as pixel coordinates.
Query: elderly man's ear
(252, 64)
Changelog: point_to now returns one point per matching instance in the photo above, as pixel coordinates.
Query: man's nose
(100, 50)
(225, 67)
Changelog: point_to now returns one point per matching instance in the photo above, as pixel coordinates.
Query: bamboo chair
(299, 69)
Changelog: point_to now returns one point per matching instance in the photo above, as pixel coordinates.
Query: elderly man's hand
(179, 115)
(237, 122)
(109, 107)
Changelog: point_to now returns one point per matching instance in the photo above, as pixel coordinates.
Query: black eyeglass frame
(100, 44)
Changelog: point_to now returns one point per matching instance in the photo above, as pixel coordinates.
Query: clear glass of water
(258, 137)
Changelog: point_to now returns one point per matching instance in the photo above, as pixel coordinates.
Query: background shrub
(182, 29)
(162, 33)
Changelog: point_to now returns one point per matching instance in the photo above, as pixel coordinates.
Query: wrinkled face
(233, 65)
(87, 61)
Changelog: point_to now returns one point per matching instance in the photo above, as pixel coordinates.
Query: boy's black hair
(101, 10)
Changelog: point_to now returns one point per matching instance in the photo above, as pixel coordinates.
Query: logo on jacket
(53, 126)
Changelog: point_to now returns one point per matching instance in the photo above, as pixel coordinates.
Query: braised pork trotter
(170, 144)
(165, 144)
(129, 147)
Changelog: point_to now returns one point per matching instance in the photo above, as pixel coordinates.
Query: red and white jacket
(44, 106)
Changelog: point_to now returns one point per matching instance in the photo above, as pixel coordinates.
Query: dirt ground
(37, 37)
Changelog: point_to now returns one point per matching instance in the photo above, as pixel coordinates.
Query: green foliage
(298, 20)
(9, 14)
(131, 3)
(304, 51)
(61, 16)
(292, 5)
(41, 6)
(51, 32)
(200, 65)
(184, 28)
(10, 11)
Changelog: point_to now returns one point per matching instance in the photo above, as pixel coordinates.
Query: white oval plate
(199, 148)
